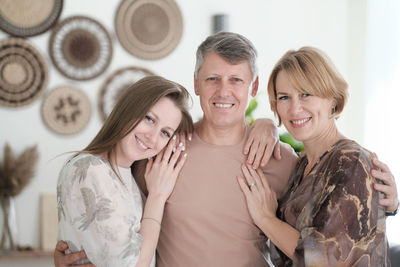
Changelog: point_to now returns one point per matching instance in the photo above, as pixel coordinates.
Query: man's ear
(254, 88)
(196, 88)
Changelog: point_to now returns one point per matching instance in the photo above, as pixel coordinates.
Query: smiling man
(206, 222)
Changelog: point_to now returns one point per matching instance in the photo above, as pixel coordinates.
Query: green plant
(287, 138)
(248, 114)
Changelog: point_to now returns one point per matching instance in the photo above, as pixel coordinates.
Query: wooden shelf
(25, 254)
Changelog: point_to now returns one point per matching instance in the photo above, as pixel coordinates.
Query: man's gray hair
(232, 47)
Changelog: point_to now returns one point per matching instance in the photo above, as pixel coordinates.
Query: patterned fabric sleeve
(346, 222)
(98, 216)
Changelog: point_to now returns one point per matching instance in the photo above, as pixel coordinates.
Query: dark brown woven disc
(115, 85)
(23, 73)
(25, 18)
(80, 48)
(149, 29)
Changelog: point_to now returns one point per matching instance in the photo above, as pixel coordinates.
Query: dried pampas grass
(16, 172)
(15, 175)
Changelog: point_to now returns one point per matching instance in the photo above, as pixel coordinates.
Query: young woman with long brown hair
(101, 209)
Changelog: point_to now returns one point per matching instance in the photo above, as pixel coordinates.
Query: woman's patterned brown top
(336, 210)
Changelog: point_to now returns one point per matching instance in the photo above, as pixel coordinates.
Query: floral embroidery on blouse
(99, 212)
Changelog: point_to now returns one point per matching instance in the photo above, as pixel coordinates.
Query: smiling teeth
(223, 105)
(141, 144)
(298, 122)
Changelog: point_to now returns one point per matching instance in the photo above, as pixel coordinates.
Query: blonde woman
(330, 213)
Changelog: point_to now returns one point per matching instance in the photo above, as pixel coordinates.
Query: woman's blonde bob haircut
(132, 107)
(310, 71)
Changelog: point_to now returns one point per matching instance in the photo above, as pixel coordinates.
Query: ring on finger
(251, 185)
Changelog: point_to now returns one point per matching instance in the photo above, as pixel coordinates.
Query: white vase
(9, 229)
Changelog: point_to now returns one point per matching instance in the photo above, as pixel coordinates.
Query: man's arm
(388, 188)
(263, 141)
(62, 260)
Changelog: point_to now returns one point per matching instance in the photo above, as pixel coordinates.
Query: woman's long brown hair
(132, 107)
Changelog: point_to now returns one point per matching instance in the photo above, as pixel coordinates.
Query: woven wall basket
(149, 29)
(23, 73)
(115, 85)
(80, 48)
(66, 110)
(25, 18)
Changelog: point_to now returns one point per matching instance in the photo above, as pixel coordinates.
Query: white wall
(273, 26)
(382, 90)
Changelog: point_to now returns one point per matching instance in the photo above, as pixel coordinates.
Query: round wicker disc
(80, 48)
(23, 73)
(27, 18)
(149, 29)
(115, 86)
(66, 110)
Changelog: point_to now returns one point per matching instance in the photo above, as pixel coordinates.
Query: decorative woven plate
(149, 29)
(66, 110)
(27, 18)
(115, 85)
(23, 73)
(80, 48)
